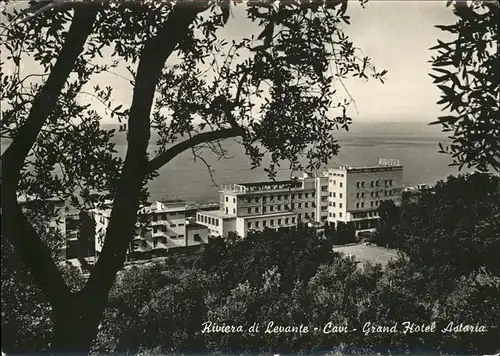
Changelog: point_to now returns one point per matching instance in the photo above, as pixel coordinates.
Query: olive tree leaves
(466, 72)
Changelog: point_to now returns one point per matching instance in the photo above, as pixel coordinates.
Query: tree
(390, 216)
(466, 72)
(453, 231)
(59, 148)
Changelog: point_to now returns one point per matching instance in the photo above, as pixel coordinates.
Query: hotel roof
(217, 214)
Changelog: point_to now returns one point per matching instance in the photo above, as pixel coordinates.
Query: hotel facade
(355, 193)
(249, 207)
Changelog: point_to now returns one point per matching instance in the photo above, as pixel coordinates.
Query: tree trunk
(75, 327)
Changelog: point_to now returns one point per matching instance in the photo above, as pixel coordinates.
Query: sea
(414, 144)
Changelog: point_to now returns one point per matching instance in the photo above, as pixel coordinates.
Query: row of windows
(333, 195)
(208, 219)
(279, 222)
(280, 197)
(165, 216)
(336, 174)
(372, 204)
(164, 228)
(332, 215)
(365, 214)
(375, 194)
(332, 203)
(335, 183)
(387, 183)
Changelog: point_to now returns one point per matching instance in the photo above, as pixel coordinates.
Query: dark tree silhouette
(59, 148)
(466, 71)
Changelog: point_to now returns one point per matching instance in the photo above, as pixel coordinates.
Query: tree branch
(33, 252)
(162, 159)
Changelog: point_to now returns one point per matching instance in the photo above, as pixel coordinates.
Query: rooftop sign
(388, 162)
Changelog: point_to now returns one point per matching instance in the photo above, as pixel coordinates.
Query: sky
(396, 35)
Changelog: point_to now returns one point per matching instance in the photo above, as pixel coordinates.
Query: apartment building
(254, 206)
(355, 193)
(161, 227)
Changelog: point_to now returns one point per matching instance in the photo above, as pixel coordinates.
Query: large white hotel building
(355, 193)
(343, 194)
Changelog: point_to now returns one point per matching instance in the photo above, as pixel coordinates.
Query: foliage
(390, 216)
(340, 233)
(26, 314)
(466, 72)
(272, 89)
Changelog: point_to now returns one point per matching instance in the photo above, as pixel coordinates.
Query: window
(357, 205)
(287, 220)
(293, 196)
(312, 214)
(257, 210)
(362, 184)
(306, 195)
(249, 224)
(279, 207)
(372, 183)
(340, 215)
(227, 212)
(272, 222)
(333, 204)
(300, 205)
(363, 195)
(234, 211)
(334, 194)
(300, 216)
(371, 203)
(357, 195)
(264, 223)
(180, 225)
(264, 209)
(216, 222)
(227, 199)
(340, 205)
(271, 208)
(300, 196)
(257, 224)
(334, 181)
(279, 197)
(197, 237)
(377, 183)
(357, 184)
(306, 205)
(249, 200)
(249, 210)
(363, 204)
(293, 220)
(330, 214)
(333, 214)
(340, 195)
(330, 194)
(293, 205)
(371, 194)
(390, 182)
(285, 197)
(340, 184)
(234, 200)
(180, 236)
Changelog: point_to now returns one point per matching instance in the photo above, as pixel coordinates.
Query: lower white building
(255, 206)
